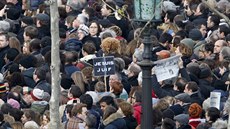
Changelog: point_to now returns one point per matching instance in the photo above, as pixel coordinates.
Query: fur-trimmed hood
(112, 118)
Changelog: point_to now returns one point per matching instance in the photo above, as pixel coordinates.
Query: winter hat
(37, 94)
(94, 96)
(195, 110)
(27, 20)
(2, 87)
(163, 54)
(205, 71)
(195, 35)
(183, 119)
(188, 42)
(184, 97)
(83, 28)
(13, 103)
(43, 17)
(76, 4)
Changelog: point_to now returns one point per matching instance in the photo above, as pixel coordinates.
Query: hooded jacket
(115, 121)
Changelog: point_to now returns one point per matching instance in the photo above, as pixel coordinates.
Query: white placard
(167, 68)
(215, 99)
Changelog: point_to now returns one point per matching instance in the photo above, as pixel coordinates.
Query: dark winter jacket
(2, 55)
(28, 76)
(114, 121)
(196, 98)
(205, 88)
(43, 85)
(131, 122)
(73, 45)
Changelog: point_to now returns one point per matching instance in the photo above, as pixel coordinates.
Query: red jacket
(137, 112)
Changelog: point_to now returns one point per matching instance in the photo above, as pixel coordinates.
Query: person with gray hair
(224, 54)
(4, 26)
(79, 20)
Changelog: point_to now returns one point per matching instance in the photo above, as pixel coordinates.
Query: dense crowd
(97, 28)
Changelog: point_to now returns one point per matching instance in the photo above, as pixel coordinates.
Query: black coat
(196, 98)
(2, 55)
(28, 76)
(205, 88)
(131, 122)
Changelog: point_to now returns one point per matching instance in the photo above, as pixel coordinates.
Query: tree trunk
(55, 66)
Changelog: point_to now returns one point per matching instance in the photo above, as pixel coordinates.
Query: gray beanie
(183, 119)
(188, 42)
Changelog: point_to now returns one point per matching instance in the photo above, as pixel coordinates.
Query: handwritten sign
(166, 68)
(215, 99)
(103, 66)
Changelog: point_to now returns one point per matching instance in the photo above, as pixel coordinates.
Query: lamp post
(146, 10)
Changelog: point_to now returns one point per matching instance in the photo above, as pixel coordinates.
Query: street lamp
(145, 11)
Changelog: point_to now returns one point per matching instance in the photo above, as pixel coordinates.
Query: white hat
(37, 94)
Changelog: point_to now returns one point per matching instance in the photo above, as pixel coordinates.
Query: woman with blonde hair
(17, 125)
(79, 80)
(15, 43)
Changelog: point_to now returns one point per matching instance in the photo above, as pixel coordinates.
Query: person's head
(116, 88)
(82, 31)
(168, 123)
(114, 78)
(4, 40)
(105, 101)
(191, 87)
(15, 43)
(212, 114)
(133, 70)
(180, 84)
(80, 19)
(109, 110)
(35, 45)
(42, 19)
(79, 110)
(126, 108)
(137, 96)
(110, 45)
(75, 5)
(88, 48)
(169, 16)
(165, 39)
(70, 57)
(94, 28)
(69, 21)
(39, 74)
(74, 92)
(186, 47)
(45, 118)
(201, 10)
(219, 44)
(213, 20)
(223, 31)
(195, 110)
(11, 54)
(26, 61)
(30, 32)
(206, 50)
(108, 8)
(88, 12)
(202, 27)
(90, 121)
(224, 54)
(87, 99)
(28, 115)
(100, 87)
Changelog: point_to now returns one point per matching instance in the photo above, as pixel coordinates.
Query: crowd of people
(96, 28)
